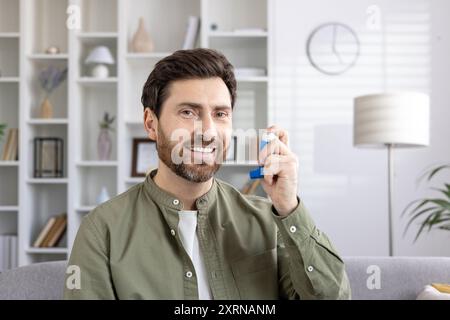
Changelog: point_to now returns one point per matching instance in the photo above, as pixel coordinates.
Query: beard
(189, 170)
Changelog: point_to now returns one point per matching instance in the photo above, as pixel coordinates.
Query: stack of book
(52, 232)
(8, 252)
(250, 186)
(10, 149)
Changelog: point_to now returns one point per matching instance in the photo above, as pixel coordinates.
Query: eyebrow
(200, 106)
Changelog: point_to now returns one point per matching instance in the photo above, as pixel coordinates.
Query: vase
(46, 109)
(103, 196)
(104, 145)
(141, 41)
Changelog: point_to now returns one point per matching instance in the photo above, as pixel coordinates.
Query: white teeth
(205, 150)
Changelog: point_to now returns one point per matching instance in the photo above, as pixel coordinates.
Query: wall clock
(333, 48)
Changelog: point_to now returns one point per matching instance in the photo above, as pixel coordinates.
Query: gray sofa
(399, 278)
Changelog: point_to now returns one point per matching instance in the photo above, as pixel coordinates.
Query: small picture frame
(231, 153)
(145, 157)
(48, 157)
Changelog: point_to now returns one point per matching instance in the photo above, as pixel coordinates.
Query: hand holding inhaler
(258, 173)
(278, 170)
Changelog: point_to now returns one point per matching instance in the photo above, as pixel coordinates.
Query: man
(182, 234)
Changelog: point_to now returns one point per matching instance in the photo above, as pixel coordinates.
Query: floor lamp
(391, 120)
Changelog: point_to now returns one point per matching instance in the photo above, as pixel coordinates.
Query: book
(8, 252)
(44, 232)
(7, 146)
(3, 257)
(10, 149)
(56, 232)
(250, 186)
(253, 186)
(14, 145)
(191, 32)
(13, 253)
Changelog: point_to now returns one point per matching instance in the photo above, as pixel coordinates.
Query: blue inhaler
(258, 173)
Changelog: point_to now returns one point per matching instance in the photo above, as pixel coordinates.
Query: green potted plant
(433, 213)
(2, 130)
(104, 143)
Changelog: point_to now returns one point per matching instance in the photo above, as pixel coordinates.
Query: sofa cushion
(399, 277)
(40, 281)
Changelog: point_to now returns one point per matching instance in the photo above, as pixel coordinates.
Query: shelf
(252, 79)
(9, 208)
(97, 35)
(9, 35)
(238, 34)
(32, 250)
(97, 163)
(134, 180)
(240, 164)
(9, 163)
(134, 122)
(47, 180)
(89, 81)
(150, 55)
(84, 208)
(47, 121)
(9, 80)
(46, 56)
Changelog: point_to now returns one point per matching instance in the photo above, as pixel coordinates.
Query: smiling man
(183, 234)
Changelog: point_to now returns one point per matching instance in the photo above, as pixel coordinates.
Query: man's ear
(151, 123)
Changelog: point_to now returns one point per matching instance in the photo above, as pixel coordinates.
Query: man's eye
(221, 114)
(187, 113)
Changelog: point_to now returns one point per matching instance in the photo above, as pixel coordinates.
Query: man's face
(194, 128)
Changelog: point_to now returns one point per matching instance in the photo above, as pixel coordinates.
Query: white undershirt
(187, 227)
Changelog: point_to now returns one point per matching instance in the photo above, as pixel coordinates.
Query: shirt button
(189, 274)
(172, 232)
(310, 268)
(176, 202)
(292, 229)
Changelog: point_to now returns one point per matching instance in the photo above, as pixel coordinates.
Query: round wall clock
(333, 48)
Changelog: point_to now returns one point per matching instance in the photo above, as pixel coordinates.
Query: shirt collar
(167, 199)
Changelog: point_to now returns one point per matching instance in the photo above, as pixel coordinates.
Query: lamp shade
(100, 54)
(400, 119)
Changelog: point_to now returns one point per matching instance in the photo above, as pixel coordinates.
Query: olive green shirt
(129, 248)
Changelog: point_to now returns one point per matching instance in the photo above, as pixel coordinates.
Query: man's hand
(280, 172)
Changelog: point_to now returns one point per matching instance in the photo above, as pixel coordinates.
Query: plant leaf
(436, 170)
(441, 202)
(445, 192)
(423, 225)
(422, 202)
(416, 216)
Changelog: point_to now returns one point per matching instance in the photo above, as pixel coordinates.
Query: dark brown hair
(182, 65)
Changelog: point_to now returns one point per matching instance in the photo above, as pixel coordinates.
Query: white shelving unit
(79, 103)
(10, 86)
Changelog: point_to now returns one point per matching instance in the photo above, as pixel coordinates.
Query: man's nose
(209, 130)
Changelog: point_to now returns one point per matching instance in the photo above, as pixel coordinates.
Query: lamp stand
(390, 189)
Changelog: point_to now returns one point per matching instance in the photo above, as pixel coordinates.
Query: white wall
(346, 188)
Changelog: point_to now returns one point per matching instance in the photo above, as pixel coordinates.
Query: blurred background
(71, 76)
